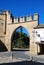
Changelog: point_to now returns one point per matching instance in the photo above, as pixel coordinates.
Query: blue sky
(24, 7)
(23, 30)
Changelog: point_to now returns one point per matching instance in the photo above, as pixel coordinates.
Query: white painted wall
(39, 35)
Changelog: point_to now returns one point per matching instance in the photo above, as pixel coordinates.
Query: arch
(11, 24)
(14, 33)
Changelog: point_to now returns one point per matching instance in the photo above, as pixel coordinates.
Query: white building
(39, 34)
(39, 37)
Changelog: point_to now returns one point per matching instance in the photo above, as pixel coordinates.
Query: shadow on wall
(2, 47)
(24, 63)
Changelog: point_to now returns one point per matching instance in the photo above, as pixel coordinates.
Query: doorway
(41, 48)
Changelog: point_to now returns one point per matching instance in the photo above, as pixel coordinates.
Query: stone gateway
(8, 24)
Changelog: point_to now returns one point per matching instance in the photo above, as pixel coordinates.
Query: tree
(20, 39)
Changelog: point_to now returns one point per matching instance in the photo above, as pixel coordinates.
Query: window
(38, 35)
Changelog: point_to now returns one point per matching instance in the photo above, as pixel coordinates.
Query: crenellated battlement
(22, 19)
(15, 20)
(29, 18)
(26, 19)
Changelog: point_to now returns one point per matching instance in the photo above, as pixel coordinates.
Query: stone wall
(10, 25)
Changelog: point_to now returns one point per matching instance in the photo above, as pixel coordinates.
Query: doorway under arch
(20, 39)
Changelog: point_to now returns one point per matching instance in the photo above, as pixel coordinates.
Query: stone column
(33, 46)
(8, 44)
(9, 49)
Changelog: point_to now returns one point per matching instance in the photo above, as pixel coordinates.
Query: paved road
(15, 54)
(20, 56)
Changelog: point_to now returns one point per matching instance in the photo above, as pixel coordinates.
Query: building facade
(39, 38)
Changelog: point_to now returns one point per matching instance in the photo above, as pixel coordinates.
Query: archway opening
(20, 39)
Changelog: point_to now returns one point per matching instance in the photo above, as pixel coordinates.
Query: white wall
(39, 35)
